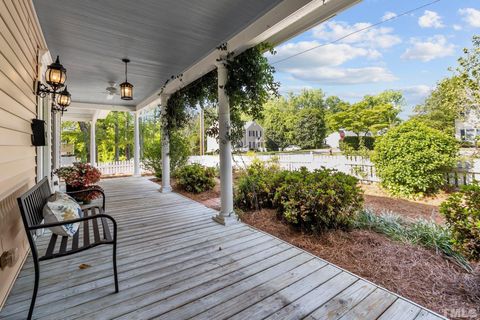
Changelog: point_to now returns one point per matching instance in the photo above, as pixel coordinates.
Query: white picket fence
(124, 167)
(360, 167)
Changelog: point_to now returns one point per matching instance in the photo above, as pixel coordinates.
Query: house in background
(468, 128)
(252, 139)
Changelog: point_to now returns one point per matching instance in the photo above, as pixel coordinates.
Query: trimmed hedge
(353, 143)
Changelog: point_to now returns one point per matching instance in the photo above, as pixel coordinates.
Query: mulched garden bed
(416, 273)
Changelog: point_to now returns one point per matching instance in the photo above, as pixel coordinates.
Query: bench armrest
(89, 191)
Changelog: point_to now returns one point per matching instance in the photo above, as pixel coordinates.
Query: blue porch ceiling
(161, 38)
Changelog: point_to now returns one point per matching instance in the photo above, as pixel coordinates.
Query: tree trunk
(84, 127)
(117, 150)
(127, 141)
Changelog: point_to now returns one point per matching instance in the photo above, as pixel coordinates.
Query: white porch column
(56, 144)
(93, 145)
(165, 147)
(136, 146)
(226, 186)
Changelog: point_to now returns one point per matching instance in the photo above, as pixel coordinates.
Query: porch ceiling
(161, 38)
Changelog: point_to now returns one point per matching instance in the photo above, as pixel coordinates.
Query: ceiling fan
(111, 91)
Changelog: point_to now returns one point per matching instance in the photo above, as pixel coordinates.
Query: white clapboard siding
(20, 40)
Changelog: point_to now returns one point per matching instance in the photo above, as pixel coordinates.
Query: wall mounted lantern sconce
(126, 88)
(55, 77)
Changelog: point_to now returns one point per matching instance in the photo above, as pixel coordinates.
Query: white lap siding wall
(20, 41)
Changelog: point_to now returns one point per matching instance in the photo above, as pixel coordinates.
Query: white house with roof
(252, 139)
(467, 128)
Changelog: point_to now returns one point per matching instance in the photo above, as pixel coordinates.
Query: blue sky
(410, 53)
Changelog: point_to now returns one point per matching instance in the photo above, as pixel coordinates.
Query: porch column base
(165, 189)
(225, 219)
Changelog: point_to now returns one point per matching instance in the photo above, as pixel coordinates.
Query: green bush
(256, 186)
(424, 233)
(319, 200)
(462, 212)
(195, 178)
(412, 159)
(355, 143)
(179, 152)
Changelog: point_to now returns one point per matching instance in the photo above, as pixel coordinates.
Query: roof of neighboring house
(248, 124)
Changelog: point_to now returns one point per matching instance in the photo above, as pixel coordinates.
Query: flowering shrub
(79, 175)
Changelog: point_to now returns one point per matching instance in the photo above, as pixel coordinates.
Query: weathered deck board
(174, 262)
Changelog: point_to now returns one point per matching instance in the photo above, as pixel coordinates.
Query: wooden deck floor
(176, 263)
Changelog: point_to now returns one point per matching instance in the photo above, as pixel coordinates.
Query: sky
(410, 53)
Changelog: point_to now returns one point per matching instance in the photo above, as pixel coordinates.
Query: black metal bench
(94, 224)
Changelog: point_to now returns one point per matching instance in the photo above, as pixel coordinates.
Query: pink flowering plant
(79, 175)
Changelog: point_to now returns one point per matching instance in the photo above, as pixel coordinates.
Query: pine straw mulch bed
(414, 272)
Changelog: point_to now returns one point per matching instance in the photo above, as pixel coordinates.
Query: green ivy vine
(250, 84)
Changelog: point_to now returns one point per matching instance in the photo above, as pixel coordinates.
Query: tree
(373, 114)
(454, 96)
(443, 105)
(412, 158)
(295, 120)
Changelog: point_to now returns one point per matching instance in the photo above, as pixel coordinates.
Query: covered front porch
(174, 262)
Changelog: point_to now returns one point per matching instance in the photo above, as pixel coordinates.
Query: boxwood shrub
(195, 178)
(319, 200)
(353, 143)
(462, 213)
(313, 201)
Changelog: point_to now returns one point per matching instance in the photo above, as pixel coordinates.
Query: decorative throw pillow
(61, 207)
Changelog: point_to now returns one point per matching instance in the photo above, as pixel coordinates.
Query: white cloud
(417, 91)
(388, 15)
(430, 19)
(328, 55)
(433, 48)
(372, 38)
(457, 27)
(471, 16)
(343, 76)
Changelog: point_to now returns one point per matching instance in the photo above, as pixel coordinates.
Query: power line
(356, 31)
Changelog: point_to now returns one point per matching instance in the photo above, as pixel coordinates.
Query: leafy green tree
(372, 114)
(296, 120)
(443, 105)
(454, 96)
(412, 158)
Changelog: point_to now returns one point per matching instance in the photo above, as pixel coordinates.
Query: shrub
(179, 152)
(256, 186)
(412, 159)
(356, 143)
(195, 178)
(462, 212)
(319, 200)
(424, 233)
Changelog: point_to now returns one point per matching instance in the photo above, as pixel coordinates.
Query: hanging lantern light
(126, 88)
(56, 75)
(63, 99)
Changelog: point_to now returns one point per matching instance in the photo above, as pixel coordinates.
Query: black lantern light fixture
(126, 88)
(55, 77)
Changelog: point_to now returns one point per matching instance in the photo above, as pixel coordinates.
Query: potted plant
(79, 177)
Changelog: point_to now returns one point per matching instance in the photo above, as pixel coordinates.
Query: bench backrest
(31, 203)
